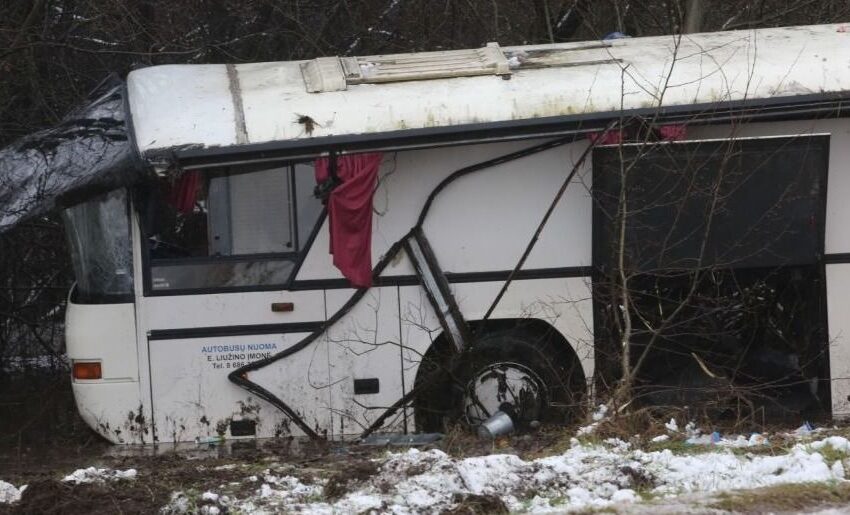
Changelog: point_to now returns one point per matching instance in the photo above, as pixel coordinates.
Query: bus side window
(234, 227)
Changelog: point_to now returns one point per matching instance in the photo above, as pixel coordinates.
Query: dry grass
(471, 504)
(785, 498)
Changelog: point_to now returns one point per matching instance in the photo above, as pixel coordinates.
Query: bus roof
(298, 102)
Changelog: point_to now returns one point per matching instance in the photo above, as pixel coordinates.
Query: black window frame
(298, 257)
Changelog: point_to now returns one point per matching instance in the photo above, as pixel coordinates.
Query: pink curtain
(350, 214)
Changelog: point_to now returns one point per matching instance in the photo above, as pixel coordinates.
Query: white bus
(466, 192)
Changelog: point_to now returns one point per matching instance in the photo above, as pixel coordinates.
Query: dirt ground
(202, 467)
(342, 467)
(43, 439)
(42, 442)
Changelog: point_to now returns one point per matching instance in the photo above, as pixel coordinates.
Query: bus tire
(538, 353)
(524, 370)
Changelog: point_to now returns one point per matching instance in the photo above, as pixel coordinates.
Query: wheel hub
(500, 383)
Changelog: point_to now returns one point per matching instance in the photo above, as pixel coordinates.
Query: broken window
(229, 228)
(101, 254)
(718, 246)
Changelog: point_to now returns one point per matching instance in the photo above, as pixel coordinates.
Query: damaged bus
(397, 243)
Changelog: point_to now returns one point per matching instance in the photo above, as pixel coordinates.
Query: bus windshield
(101, 253)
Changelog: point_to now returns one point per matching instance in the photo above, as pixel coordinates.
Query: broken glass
(101, 253)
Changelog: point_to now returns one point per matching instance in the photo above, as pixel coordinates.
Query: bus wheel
(516, 372)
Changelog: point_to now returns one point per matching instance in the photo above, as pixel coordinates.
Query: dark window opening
(721, 247)
(229, 228)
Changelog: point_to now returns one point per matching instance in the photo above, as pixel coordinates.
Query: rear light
(87, 370)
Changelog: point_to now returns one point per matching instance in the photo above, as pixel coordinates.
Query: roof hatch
(336, 73)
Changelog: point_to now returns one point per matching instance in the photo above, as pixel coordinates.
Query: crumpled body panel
(88, 153)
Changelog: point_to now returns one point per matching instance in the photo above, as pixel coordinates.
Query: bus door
(219, 249)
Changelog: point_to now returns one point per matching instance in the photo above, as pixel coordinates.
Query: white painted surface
(838, 311)
(564, 303)
(191, 100)
(319, 263)
(364, 345)
(142, 349)
(482, 221)
(115, 421)
(193, 397)
(468, 235)
(186, 387)
(225, 309)
(177, 105)
(104, 333)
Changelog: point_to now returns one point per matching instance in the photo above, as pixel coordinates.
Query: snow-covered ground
(589, 473)
(9, 493)
(98, 475)
(584, 476)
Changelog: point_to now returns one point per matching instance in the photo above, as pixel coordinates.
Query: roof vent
(335, 73)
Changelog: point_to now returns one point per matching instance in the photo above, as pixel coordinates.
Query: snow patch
(96, 475)
(739, 441)
(598, 416)
(585, 476)
(839, 443)
(9, 493)
(600, 412)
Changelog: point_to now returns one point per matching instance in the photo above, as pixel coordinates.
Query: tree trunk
(694, 16)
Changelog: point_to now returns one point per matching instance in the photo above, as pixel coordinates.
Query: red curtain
(184, 191)
(606, 138)
(673, 132)
(350, 214)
